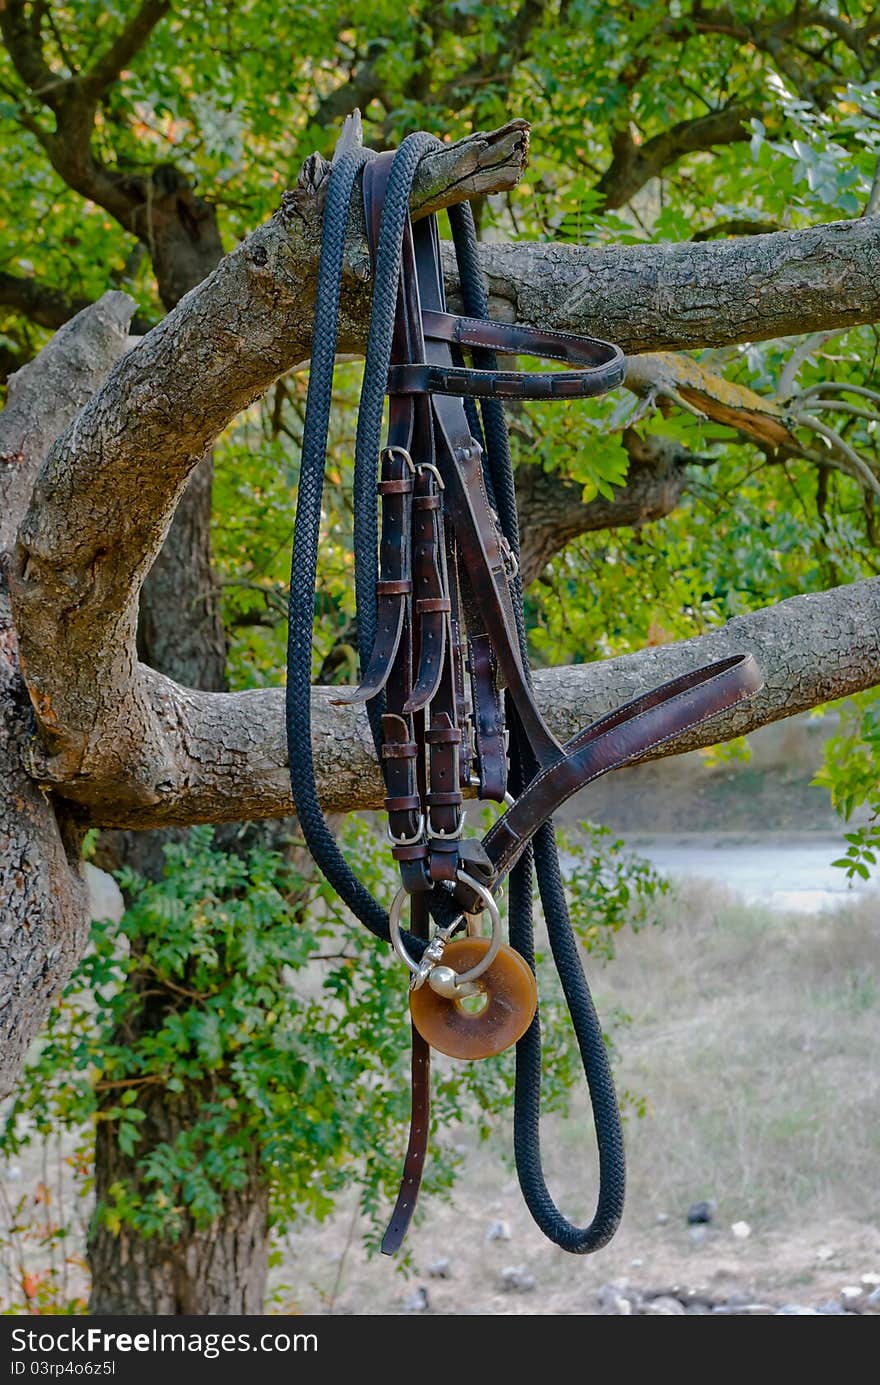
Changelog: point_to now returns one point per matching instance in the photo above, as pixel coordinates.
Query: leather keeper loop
(417, 852)
(433, 603)
(444, 800)
(403, 486)
(440, 845)
(426, 502)
(405, 804)
(399, 587)
(394, 750)
(443, 735)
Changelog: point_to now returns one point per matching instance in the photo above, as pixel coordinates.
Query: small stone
(662, 1218)
(872, 1280)
(663, 1307)
(439, 1269)
(696, 1298)
(796, 1310)
(824, 1253)
(612, 1299)
(105, 896)
(850, 1292)
(871, 1302)
(701, 1213)
(741, 1305)
(697, 1234)
(607, 1292)
(498, 1231)
(615, 1299)
(637, 1263)
(741, 1230)
(832, 1308)
(517, 1279)
(13, 1173)
(417, 1302)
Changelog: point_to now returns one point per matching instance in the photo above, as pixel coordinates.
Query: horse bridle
(445, 674)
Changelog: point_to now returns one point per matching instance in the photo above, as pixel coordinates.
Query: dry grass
(753, 1041)
(755, 1047)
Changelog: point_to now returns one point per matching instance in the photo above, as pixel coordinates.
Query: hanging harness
(445, 676)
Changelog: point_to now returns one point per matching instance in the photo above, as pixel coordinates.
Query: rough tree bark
(222, 1268)
(43, 899)
(117, 743)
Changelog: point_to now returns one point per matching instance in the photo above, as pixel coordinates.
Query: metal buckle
(429, 466)
(442, 836)
(390, 451)
(407, 841)
(510, 560)
(434, 951)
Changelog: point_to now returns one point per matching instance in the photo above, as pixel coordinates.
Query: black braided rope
(368, 441)
(304, 561)
(500, 482)
(585, 1021)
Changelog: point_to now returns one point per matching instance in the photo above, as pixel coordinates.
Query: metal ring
(476, 783)
(394, 930)
(488, 900)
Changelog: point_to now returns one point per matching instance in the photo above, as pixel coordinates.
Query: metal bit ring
(442, 937)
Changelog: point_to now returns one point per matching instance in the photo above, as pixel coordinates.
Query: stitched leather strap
(638, 726)
(513, 339)
(504, 384)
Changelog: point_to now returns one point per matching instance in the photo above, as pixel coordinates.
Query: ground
(752, 1041)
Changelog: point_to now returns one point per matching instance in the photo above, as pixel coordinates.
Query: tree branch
(43, 899)
(45, 305)
(26, 53)
(222, 756)
(104, 501)
(633, 164)
(106, 69)
(552, 512)
(74, 102)
(679, 297)
(360, 88)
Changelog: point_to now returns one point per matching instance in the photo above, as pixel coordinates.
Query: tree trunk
(43, 898)
(213, 1270)
(221, 1268)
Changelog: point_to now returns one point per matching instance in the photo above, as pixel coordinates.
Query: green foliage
(851, 772)
(236, 979)
(239, 982)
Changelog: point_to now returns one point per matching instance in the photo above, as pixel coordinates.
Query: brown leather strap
(489, 736)
(503, 384)
(513, 339)
(432, 607)
(419, 1120)
(395, 581)
(638, 726)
